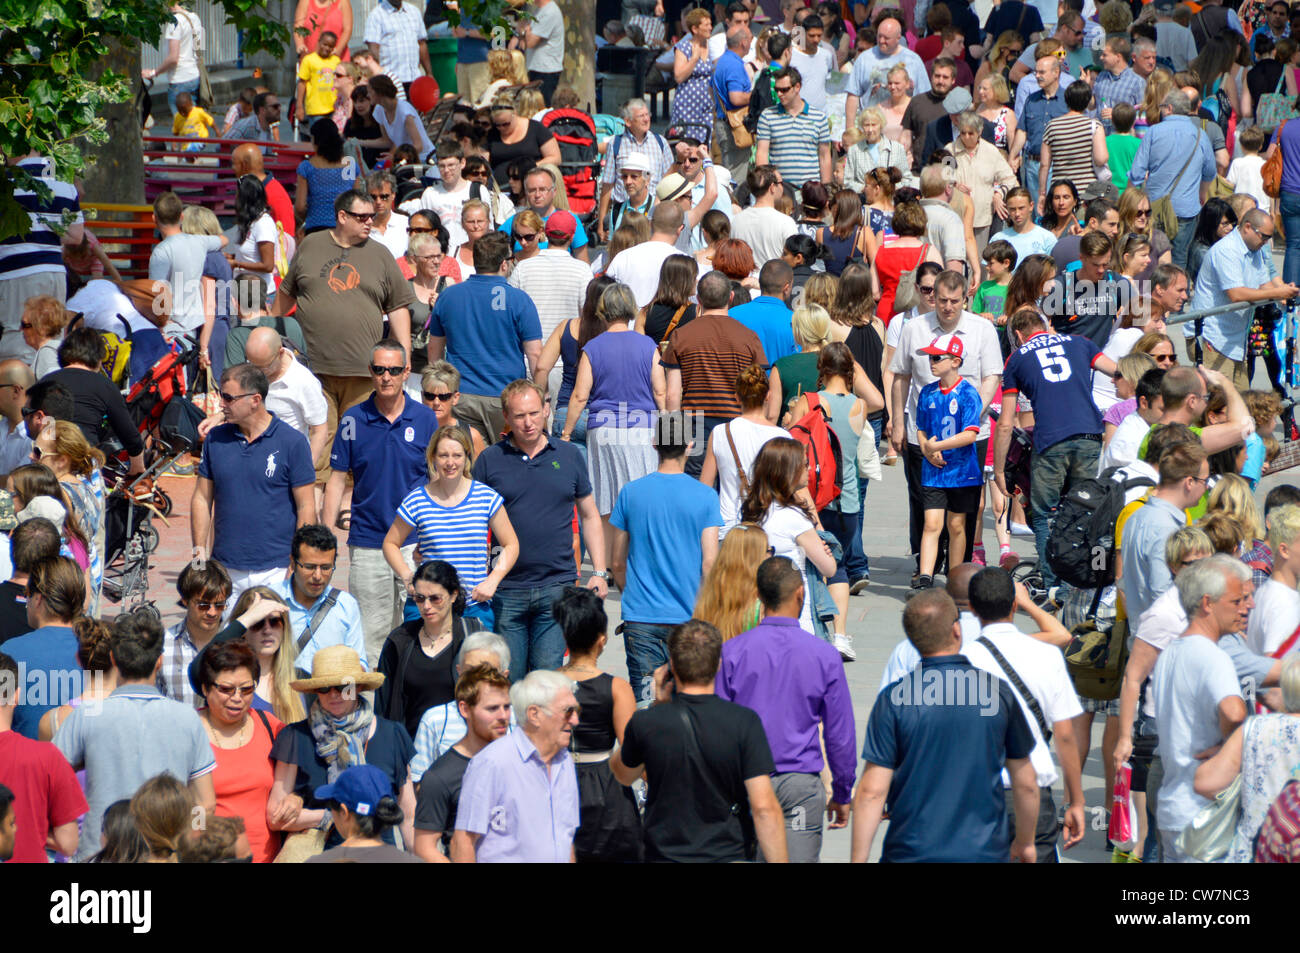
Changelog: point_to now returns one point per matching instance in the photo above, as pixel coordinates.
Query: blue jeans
(175, 89)
(579, 436)
(1029, 168)
(1290, 206)
(646, 645)
(524, 620)
(1052, 472)
(847, 528)
(1183, 241)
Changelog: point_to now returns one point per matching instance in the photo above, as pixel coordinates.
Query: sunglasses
(503, 125)
(431, 396)
(361, 216)
(429, 600)
(244, 691)
(26, 326)
(521, 238)
(782, 89)
(925, 289)
(381, 195)
(231, 398)
(418, 231)
(939, 358)
(274, 622)
(380, 371)
(315, 567)
(1164, 359)
(1142, 213)
(209, 606)
(341, 689)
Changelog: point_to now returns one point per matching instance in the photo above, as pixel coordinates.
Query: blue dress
(323, 187)
(693, 100)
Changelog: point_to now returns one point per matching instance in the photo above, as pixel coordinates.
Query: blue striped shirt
(794, 141)
(456, 534)
(40, 250)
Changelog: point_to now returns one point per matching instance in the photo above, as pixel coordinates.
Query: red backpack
(825, 461)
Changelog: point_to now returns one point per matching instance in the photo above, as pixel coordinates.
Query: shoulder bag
(1209, 835)
(1275, 108)
(740, 133)
(672, 326)
(906, 296)
(204, 97)
(740, 470)
(1021, 689)
(1272, 171)
(740, 813)
(1162, 209)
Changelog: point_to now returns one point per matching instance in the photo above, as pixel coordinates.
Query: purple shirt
(794, 681)
(524, 815)
(1117, 412)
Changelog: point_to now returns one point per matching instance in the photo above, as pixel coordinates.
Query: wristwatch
(602, 574)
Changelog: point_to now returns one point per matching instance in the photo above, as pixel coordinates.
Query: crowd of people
(870, 233)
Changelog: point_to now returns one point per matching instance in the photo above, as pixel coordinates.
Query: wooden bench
(206, 178)
(126, 232)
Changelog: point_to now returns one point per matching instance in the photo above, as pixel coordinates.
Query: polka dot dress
(693, 100)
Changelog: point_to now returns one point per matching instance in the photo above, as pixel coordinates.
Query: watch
(602, 574)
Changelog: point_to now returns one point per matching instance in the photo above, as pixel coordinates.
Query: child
(1261, 446)
(190, 121)
(241, 109)
(315, 92)
(1122, 144)
(951, 475)
(1246, 174)
(991, 296)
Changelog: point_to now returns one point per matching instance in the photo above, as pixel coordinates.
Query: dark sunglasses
(431, 396)
(380, 370)
(26, 326)
(521, 238)
(418, 231)
(231, 398)
(361, 216)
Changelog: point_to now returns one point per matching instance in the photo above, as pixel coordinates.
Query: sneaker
(977, 556)
(844, 645)
(890, 459)
(859, 585)
(1020, 529)
(920, 581)
(1008, 560)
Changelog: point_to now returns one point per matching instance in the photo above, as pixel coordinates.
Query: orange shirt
(243, 781)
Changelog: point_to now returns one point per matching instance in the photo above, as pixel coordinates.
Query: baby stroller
(575, 131)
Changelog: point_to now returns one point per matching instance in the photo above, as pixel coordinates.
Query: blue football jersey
(942, 414)
(1055, 372)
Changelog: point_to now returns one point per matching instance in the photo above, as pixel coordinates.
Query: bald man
(15, 445)
(247, 160)
(295, 395)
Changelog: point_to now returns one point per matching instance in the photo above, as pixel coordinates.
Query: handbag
(1276, 107)
(206, 396)
(1162, 209)
(1209, 835)
(300, 845)
(1272, 171)
(740, 134)
(204, 96)
(906, 296)
(672, 326)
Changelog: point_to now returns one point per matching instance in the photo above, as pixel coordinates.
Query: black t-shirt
(439, 795)
(98, 407)
(529, 147)
(1016, 16)
(698, 808)
(1082, 308)
(661, 315)
(13, 611)
(1263, 78)
(869, 351)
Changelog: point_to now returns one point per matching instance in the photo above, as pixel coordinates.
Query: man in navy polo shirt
(1055, 372)
(945, 726)
(768, 315)
(541, 479)
(382, 443)
(489, 331)
(256, 485)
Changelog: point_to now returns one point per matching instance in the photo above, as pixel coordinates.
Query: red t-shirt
(243, 783)
(891, 262)
(46, 792)
(279, 204)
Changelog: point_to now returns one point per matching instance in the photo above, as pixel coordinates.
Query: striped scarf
(341, 742)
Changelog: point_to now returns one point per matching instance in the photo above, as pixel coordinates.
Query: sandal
(344, 521)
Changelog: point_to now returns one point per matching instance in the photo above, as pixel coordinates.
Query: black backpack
(1081, 547)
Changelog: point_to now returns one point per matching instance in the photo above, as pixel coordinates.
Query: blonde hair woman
(526, 231)
(64, 449)
(899, 84)
(728, 596)
(1135, 218)
(43, 321)
(1231, 496)
(506, 68)
(991, 96)
(272, 641)
(796, 374)
(161, 810)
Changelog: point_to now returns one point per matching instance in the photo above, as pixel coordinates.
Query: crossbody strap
(677, 317)
(735, 455)
(317, 618)
(1018, 683)
(1196, 148)
(1288, 644)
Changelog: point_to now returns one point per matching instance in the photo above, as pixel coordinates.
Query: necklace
(222, 741)
(434, 646)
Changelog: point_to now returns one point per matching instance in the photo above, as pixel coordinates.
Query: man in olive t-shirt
(344, 284)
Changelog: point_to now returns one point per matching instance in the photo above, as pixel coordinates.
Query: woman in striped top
(451, 516)
(1073, 145)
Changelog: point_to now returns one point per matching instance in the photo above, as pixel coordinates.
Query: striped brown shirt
(711, 352)
(1070, 138)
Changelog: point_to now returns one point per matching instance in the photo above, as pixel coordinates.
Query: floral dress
(693, 100)
(87, 496)
(1270, 752)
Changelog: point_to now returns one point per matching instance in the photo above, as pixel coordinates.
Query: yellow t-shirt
(193, 126)
(318, 75)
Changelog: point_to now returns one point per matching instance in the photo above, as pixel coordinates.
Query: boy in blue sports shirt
(947, 426)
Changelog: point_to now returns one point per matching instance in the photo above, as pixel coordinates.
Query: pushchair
(575, 132)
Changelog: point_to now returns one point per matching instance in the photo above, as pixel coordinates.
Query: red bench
(126, 232)
(206, 178)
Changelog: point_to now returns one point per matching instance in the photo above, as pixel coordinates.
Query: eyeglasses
(26, 326)
(244, 691)
(437, 257)
(418, 231)
(210, 606)
(521, 238)
(231, 398)
(315, 567)
(274, 622)
(431, 396)
(381, 195)
(503, 125)
(380, 371)
(1202, 480)
(340, 75)
(1203, 398)
(361, 216)
(429, 600)
(567, 711)
(341, 689)
(1011, 51)
(26, 412)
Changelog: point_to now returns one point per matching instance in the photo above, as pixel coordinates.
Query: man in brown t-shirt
(703, 360)
(343, 284)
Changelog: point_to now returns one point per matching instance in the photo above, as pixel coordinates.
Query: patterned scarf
(341, 742)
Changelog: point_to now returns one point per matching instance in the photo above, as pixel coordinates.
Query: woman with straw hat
(341, 730)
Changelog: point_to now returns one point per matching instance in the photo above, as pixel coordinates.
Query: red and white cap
(949, 344)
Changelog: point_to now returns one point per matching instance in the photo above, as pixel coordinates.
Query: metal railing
(1183, 317)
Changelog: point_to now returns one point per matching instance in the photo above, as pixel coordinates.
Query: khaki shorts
(341, 394)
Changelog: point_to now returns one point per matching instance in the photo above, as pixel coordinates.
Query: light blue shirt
(340, 626)
(871, 73)
(1036, 241)
(524, 812)
(1146, 574)
(1230, 264)
(1164, 150)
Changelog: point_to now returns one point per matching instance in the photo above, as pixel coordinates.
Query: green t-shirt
(1195, 512)
(1122, 149)
(990, 298)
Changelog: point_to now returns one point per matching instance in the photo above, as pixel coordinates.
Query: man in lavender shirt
(795, 682)
(519, 797)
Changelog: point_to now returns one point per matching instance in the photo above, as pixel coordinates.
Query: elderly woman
(873, 150)
(619, 372)
(43, 321)
(983, 169)
(340, 730)
(516, 137)
(432, 268)
(241, 739)
(440, 392)
(694, 101)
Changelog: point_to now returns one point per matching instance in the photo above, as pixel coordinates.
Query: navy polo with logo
(387, 461)
(252, 487)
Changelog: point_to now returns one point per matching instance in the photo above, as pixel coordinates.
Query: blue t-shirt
(945, 413)
(769, 318)
(48, 672)
(540, 493)
(946, 726)
(729, 75)
(387, 461)
(579, 235)
(457, 534)
(1254, 468)
(486, 323)
(1055, 372)
(664, 515)
(254, 514)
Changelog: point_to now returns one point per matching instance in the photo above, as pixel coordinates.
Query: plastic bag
(1123, 815)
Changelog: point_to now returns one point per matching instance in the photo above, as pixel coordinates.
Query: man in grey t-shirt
(178, 260)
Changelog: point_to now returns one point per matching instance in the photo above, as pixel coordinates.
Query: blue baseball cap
(358, 788)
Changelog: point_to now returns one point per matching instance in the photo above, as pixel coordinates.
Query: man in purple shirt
(795, 682)
(519, 798)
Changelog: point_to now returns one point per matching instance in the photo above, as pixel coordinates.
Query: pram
(575, 132)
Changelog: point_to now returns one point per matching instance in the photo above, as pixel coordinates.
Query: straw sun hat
(337, 665)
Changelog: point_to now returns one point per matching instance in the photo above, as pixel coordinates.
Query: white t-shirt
(1191, 677)
(749, 438)
(638, 268)
(102, 304)
(905, 657)
(547, 57)
(1275, 616)
(184, 27)
(395, 129)
(764, 230)
(1042, 669)
(447, 206)
(1246, 174)
(262, 230)
(813, 70)
(1103, 385)
(1124, 443)
(983, 358)
(394, 235)
(784, 525)
(718, 46)
(297, 398)
(1158, 626)
(894, 333)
